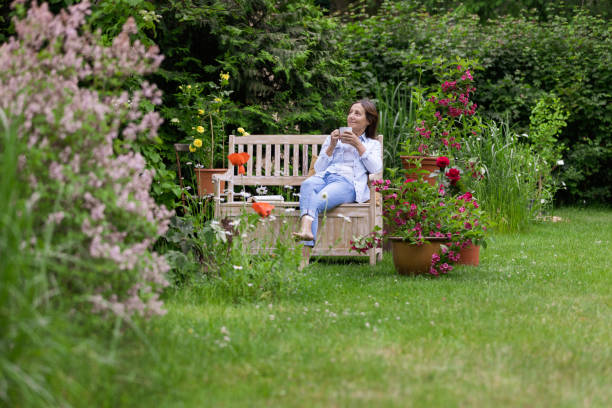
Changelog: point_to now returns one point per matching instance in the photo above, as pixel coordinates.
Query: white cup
(345, 129)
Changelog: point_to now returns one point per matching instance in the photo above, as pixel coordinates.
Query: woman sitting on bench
(347, 156)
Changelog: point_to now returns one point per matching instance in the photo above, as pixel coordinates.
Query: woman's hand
(352, 139)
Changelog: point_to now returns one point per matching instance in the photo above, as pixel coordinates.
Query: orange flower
(239, 159)
(263, 209)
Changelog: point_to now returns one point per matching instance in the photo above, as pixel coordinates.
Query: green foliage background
(295, 66)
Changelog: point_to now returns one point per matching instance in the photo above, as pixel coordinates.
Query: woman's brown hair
(371, 116)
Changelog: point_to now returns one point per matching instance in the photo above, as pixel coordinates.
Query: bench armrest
(225, 177)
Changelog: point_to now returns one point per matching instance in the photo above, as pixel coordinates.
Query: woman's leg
(336, 190)
(308, 191)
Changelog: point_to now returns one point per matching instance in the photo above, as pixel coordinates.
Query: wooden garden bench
(283, 160)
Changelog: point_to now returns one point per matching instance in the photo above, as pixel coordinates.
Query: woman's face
(357, 118)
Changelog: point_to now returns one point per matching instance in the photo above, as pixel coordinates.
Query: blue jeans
(338, 189)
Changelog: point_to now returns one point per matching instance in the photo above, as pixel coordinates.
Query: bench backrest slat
(296, 160)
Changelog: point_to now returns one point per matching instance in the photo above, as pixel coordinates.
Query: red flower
(263, 209)
(453, 175)
(442, 162)
(239, 159)
(466, 197)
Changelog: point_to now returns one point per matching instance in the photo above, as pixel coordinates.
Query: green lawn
(531, 326)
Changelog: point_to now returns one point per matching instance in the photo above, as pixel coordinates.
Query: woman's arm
(333, 141)
(325, 158)
(371, 158)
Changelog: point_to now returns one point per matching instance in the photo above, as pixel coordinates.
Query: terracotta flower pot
(428, 163)
(205, 184)
(470, 255)
(411, 259)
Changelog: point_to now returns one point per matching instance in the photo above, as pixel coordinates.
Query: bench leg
(373, 256)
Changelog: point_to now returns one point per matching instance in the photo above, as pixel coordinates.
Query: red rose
(453, 175)
(442, 162)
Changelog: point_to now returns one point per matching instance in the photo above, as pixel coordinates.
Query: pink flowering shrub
(446, 115)
(87, 183)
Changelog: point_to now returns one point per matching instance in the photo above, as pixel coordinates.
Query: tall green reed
(397, 118)
(509, 190)
(25, 339)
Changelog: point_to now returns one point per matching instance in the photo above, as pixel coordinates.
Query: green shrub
(216, 255)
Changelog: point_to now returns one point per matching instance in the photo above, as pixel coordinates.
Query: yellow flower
(225, 76)
(217, 100)
(200, 111)
(197, 142)
(241, 130)
(245, 134)
(200, 129)
(188, 86)
(192, 149)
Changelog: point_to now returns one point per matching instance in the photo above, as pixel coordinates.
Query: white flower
(214, 222)
(244, 235)
(289, 187)
(560, 162)
(224, 330)
(272, 317)
(288, 210)
(189, 163)
(235, 222)
(249, 284)
(347, 219)
(175, 120)
(271, 217)
(542, 201)
(237, 267)
(261, 190)
(296, 194)
(324, 195)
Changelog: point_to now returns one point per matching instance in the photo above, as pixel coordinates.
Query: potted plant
(201, 115)
(444, 117)
(428, 227)
(454, 181)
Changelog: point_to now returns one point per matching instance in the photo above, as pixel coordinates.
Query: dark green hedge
(522, 60)
(295, 68)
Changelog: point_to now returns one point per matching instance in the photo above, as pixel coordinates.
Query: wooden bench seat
(285, 160)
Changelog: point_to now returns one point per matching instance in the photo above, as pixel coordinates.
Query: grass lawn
(531, 326)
